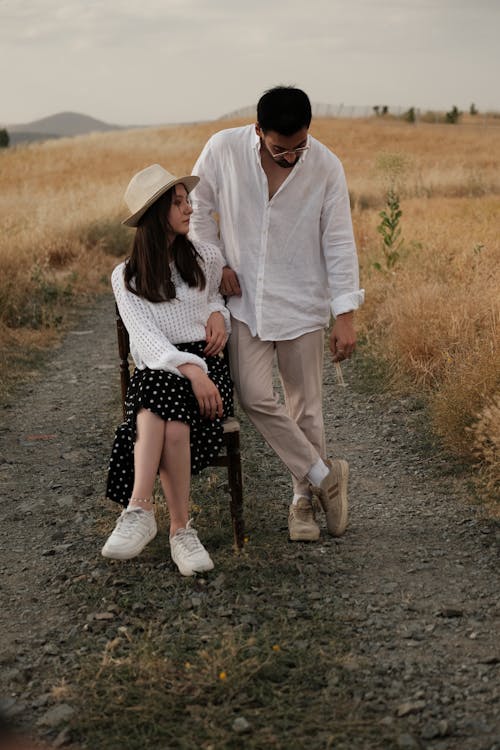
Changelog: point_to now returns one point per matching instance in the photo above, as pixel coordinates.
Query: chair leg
(235, 488)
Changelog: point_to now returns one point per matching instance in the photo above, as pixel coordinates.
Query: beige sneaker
(332, 494)
(302, 526)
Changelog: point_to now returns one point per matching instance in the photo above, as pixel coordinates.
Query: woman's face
(180, 211)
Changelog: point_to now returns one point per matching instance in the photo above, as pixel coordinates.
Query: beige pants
(295, 430)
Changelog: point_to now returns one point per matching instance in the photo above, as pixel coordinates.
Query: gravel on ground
(414, 582)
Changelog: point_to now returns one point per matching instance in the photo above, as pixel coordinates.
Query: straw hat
(147, 186)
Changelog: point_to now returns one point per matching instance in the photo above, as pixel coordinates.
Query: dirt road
(414, 583)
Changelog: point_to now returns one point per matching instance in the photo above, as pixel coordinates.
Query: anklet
(142, 501)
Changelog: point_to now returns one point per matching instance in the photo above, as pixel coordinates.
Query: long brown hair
(149, 263)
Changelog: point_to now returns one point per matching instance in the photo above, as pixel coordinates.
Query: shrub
(108, 235)
(390, 230)
(410, 115)
(485, 434)
(453, 116)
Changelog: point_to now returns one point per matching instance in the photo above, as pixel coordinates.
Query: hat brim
(189, 182)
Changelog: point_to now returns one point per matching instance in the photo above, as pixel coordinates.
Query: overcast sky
(160, 61)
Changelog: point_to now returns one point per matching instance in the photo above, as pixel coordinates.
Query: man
(284, 228)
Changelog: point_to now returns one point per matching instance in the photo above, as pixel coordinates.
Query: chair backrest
(123, 351)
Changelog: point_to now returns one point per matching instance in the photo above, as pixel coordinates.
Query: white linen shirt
(155, 327)
(294, 254)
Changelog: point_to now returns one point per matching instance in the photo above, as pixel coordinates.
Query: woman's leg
(147, 455)
(186, 550)
(175, 472)
(136, 526)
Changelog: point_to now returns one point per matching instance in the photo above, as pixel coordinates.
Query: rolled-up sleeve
(339, 247)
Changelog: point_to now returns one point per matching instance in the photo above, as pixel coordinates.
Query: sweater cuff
(183, 358)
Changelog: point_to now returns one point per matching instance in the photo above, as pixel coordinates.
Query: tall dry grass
(434, 320)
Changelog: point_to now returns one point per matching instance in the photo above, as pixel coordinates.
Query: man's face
(285, 150)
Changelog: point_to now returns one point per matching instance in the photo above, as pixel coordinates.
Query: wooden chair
(231, 457)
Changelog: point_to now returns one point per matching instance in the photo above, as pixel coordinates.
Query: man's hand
(229, 284)
(205, 391)
(216, 334)
(343, 337)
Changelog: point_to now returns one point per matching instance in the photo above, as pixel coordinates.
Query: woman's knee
(176, 433)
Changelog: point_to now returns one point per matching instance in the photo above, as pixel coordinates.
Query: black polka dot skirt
(170, 397)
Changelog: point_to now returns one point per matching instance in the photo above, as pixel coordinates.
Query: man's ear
(259, 130)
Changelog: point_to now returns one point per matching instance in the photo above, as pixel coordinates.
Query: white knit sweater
(155, 327)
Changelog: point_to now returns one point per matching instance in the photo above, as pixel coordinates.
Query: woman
(167, 295)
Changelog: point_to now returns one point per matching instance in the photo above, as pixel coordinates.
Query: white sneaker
(134, 529)
(188, 553)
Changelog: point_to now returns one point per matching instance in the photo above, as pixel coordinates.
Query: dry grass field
(432, 319)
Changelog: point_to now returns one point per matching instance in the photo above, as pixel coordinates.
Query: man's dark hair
(284, 109)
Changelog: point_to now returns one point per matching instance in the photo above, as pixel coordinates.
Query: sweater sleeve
(147, 342)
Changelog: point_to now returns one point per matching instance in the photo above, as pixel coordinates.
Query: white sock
(318, 472)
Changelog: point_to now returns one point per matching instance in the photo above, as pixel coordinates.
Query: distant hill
(63, 124)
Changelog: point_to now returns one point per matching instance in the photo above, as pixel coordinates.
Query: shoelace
(188, 538)
(130, 519)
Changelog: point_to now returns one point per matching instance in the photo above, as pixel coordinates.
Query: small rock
(103, 616)
(63, 738)
(12, 708)
(387, 721)
(56, 715)
(450, 612)
(65, 501)
(42, 700)
(241, 725)
(407, 742)
(493, 659)
(50, 649)
(11, 675)
(410, 707)
(430, 731)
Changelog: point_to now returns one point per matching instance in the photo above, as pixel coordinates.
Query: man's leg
(300, 364)
(252, 371)
(251, 363)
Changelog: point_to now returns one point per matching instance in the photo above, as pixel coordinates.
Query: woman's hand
(205, 391)
(216, 334)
